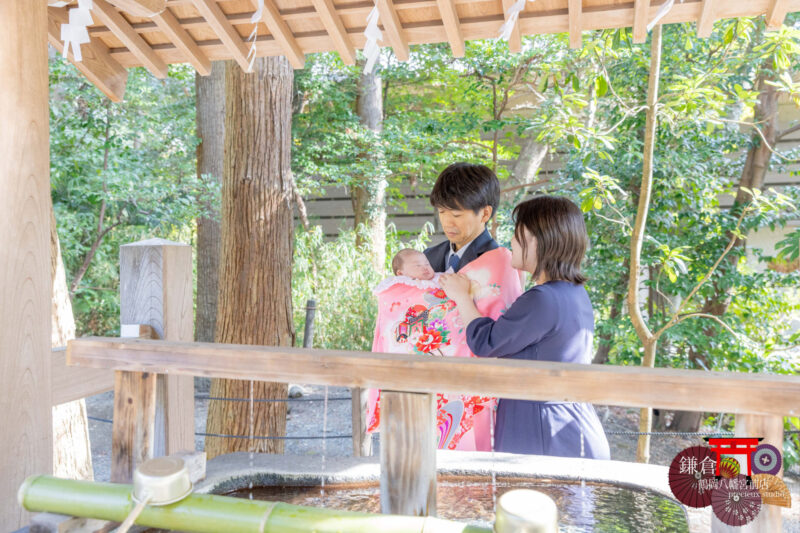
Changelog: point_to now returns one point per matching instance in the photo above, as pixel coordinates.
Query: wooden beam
(335, 28)
(72, 383)
(170, 26)
(447, 8)
(575, 24)
(705, 24)
(97, 64)
(233, 42)
(108, 15)
(776, 13)
(283, 35)
(641, 12)
(515, 42)
(668, 388)
(26, 289)
(394, 30)
(141, 8)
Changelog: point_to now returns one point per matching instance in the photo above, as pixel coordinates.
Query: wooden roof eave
(199, 31)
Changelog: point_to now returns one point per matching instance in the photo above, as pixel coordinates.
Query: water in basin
(595, 507)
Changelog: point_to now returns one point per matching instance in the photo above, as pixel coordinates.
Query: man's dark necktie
(454, 261)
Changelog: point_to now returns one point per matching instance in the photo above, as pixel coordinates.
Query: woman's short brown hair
(559, 229)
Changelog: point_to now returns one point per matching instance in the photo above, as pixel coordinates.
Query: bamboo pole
(210, 513)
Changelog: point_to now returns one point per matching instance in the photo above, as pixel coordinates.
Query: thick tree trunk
(210, 151)
(254, 304)
(531, 156)
(72, 454)
(369, 197)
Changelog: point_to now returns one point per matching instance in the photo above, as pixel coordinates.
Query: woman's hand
(456, 286)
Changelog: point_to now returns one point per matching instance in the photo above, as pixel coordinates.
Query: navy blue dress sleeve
(529, 319)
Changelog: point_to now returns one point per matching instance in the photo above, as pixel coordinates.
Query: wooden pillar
(156, 290)
(26, 446)
(769, 518)
(362, 441)
(408, 453)
(133, 432)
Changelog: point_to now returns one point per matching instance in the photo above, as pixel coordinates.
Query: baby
(413, 264)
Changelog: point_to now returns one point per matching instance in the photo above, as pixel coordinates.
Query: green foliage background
(135, 161)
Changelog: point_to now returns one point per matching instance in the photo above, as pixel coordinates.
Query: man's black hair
(466, 186)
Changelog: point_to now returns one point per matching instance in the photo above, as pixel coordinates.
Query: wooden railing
(758, 401)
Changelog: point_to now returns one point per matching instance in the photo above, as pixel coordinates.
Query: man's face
(416, 266)
(462, 225)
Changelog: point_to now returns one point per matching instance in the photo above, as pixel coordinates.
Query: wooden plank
(641, 12)
(452, 26)
(133, 430)
(97, 64)
(692, 390)
(515, 42)
(408, 453)
(362, 441)
(232, 41)
(168, 24)
(776, 13)
(72, 383)
(108, 15)
(333, 24)
(26, 290)
(393, 28)
(769, 519)
(156, 289)
(283, 35)
(575, 24)
(705, 25)
(141, 8)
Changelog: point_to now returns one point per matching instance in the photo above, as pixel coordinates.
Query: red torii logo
(733, 446)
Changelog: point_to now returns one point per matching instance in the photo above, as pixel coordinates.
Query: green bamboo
(210, 513)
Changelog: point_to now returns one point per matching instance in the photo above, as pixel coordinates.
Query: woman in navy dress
(553, 321)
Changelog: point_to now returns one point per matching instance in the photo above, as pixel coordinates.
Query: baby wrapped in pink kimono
(416, 317)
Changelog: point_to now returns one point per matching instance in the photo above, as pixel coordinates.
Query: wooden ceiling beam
(447, 9)
(233, 42)
(108, 15)
(391, 24)
(515, 41)
(283, 35)
(575, 23)
(97, 64)
(141, 8)
(705, 24)
(170, 26)
(335, 28)
(776, 13)
(641, 10)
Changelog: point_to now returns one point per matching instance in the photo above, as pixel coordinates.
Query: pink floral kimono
(416, 317)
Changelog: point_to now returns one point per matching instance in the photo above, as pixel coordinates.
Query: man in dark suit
(465, 197)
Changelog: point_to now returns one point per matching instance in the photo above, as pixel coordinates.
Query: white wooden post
(26, 446)
(408, 453)
(156, 288)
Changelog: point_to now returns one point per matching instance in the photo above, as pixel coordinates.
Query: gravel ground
(306, 419)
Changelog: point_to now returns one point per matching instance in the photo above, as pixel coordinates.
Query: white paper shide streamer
(373, 34)
(75, 33)
(665, 7)
(255, 19)
(512, 15)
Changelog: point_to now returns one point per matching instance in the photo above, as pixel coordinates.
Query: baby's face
(416, 266)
